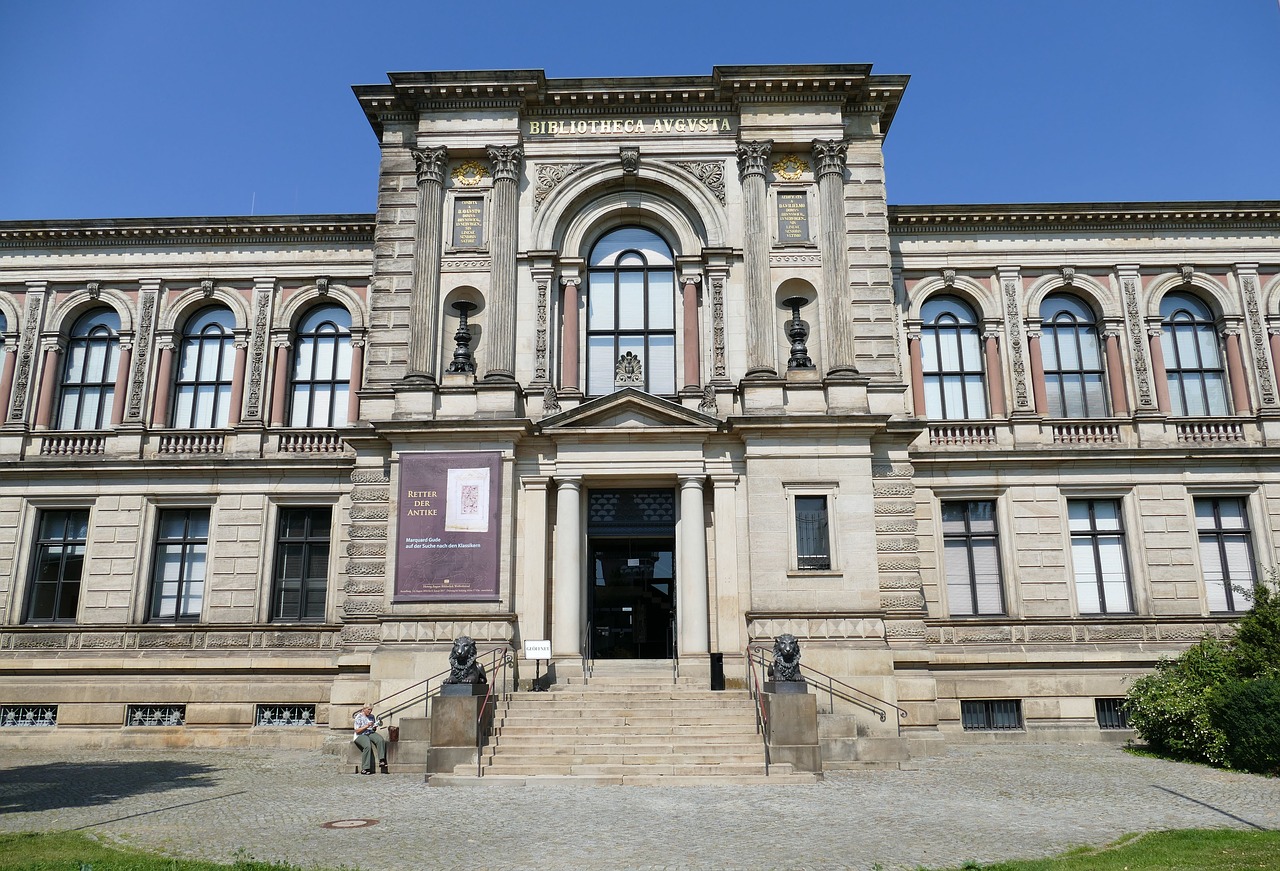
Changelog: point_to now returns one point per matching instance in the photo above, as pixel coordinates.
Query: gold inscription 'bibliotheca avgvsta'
(629, 125)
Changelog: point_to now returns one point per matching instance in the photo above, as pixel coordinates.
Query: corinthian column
(501, 323)
(753, 160)
(424, 307)
(828, 163)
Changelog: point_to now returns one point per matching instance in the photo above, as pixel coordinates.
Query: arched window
(631, 329)
(1192, 357)
(951, 358)
(89, 375)
(321, 368)
(1072, 358)
(206, 364)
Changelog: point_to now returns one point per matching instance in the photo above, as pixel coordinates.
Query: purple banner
(448, 526)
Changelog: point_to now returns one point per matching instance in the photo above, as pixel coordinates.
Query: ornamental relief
(1137, 344)
(547, 176)
(710, 173)
(1022, 397)
(355, 569)
(26, 357)
(141, 355)
(1258, 342)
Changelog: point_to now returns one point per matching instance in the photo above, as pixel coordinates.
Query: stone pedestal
(789, 687)
(793, 729)
(453, 729)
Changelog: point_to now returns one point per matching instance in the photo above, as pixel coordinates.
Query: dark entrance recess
(631, 579)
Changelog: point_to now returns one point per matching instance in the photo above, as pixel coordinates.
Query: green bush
(1256, 645)
(1170, 708)
(1247, 714)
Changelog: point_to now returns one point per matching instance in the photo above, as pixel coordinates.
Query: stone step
(604, 721)
(735, 730)
(538, 744)
(606, 769)
(776, 777)
(558, 759)
(573, 697)
(403, 757)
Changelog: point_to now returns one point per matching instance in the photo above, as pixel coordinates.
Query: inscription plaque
(793, 217)
(468, 222)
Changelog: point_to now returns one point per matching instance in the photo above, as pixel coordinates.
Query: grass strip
(74, 851)
(1175, 850)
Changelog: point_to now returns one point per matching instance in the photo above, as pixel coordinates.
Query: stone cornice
(1117, 216)
(356, 230)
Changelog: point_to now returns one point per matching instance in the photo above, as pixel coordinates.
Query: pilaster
(424, 309)
(829, 167)
(753, 161)
(501, 323)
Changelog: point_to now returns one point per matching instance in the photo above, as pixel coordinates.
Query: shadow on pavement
(65, 784)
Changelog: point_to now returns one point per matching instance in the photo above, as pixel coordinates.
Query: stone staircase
(630, 723)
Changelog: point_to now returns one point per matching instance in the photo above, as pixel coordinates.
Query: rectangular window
(1097, 556)
(177, 578)
(991, 715)
(813, 548)
(1226, 554)
(58, 564)
(18, 716)
(285, 715)
(155, 715)
(1111, 714)
(302, 564)
(971, 558)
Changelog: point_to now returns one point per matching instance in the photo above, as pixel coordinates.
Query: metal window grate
(155, 715)
(285, 715)
(28, 715)
(991, 715)
(1111, 714)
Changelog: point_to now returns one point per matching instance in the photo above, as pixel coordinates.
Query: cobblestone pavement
(981, 803)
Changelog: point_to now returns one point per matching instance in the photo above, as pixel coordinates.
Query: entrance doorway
(631, 577)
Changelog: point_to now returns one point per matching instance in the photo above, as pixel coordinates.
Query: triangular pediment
(630, 409)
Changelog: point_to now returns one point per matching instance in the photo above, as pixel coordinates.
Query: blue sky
(125, 109)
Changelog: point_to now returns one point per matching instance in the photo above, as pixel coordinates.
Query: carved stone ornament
(430, 164)
(206, 287)
(463, 665)
(547, 177)
(94, 288)
(550, 401)
(753, 158)
(1068, 275)
(829, 156)
(1187, 272)
(790, 167)
(628, 370)
(710, 173)
(708, 404)
(322, 285)
(949, 277)
(469, 173)
(630, 157)
(506, 160)
(786, 659)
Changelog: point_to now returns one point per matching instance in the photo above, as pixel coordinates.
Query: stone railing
(73, 444)
(311, 442)
(962, 433)
(1203, 432)
(1090, 432)
(191, 443)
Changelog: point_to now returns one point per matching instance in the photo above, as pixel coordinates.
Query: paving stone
(982, 803)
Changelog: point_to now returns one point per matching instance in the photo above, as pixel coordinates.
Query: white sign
(537, 650)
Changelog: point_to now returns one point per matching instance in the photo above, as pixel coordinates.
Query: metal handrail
(832, 682)
(675, 651)
(426, 693)
(762, 717)
(587, 659)
(496, 679)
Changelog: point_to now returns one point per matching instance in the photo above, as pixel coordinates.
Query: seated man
(369, 741)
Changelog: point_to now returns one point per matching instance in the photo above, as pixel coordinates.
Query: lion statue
(786, 659)
(463, 667)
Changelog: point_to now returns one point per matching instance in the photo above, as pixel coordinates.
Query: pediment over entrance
(630, 409)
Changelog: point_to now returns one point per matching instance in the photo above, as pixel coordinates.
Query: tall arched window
(89, 375)
(1072, 358)
(1192, 357)
(631, 328)
(951, 357)
(321, 368)
(206, 365)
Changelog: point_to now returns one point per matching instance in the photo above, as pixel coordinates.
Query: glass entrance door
(631, 598)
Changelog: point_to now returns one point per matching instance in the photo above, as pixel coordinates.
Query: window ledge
(815, 573)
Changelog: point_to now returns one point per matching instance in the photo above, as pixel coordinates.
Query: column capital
(688, 481)
(691, 278)
(829, 157)
(568, 483)
(430, 163)
(570, 280)
(506, 160)
(721, 482)
(753, 157)
(1111, 333)
(535, 482)
(51, 343)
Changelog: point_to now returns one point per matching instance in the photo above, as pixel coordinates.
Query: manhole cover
(348, 824)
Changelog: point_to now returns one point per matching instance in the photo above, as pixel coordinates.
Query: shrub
(1170, 708)
(1256, 645)
(1247, 714)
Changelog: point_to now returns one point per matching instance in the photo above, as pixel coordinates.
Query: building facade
(646, 368)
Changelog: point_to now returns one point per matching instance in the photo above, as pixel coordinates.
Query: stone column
(1155, 336)
(164, 383)
(533, 558)
(753, 161)
(48, 386)
(1115, 373)
(6, 378)
(566, 591)
(995, 373)
(1038, 391)
(692, 356)
(355, 380)
(916, 355)
(122, 384)
(500, 325)
(729, 591)
(691, 584)
(829, 164)
(237, 382)
(280, 381)
(424, 306)
(569, 340)
(1235, 372)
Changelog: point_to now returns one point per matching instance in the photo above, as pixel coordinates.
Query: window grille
(155, 715)
(813, 540)
(285, 715)
(28, 715)
(1111, 714)
(991, 715)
